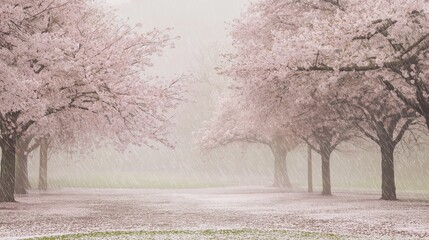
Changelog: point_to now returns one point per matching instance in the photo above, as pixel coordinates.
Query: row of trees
(73, 73)
(326, 72)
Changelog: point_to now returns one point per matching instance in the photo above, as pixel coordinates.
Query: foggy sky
(199, 23)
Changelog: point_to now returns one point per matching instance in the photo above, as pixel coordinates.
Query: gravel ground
(264, 209)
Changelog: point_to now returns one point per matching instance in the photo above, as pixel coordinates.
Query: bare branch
(369, 135)
(401, 133)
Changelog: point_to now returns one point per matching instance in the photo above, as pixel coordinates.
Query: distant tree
(43, 163)
(324, 130)
(234, 122)
(24, 147)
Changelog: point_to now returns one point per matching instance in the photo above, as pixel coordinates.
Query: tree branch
(380, 29)
(366, 133)
(311, 145)
(401, 96)
(401, 133)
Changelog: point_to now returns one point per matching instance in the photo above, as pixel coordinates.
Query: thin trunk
(309, 170)
(281, 177)
(326, 170)
(276, 171)
(427, 121)
(43, 167)
(422, 102)
(7, 177)
(387, 172)
(22, 184)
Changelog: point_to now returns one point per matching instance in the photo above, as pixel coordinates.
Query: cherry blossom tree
(237, 121)
(77, 56)
(385, 40)
(368, 37)
(71, 131)
(377, 114)
(324, 130)
(310, 51)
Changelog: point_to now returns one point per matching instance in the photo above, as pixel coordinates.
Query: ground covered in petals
(222, 213)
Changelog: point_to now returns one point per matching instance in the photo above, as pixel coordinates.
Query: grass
(133, 182)
(402, 186)
(203, 234)
(192, 181)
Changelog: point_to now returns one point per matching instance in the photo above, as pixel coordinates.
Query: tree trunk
(326, 170)
(309, 170)
(423, 104)
(43, 167)
(427, 121)
(387, 172)
(22, 183)
(7, 177)
(281, 177)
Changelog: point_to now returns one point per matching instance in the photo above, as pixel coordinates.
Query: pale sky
(199, 23)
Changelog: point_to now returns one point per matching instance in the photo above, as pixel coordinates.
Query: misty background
(203, 27)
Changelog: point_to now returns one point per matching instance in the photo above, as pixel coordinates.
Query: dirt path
(79, 211)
